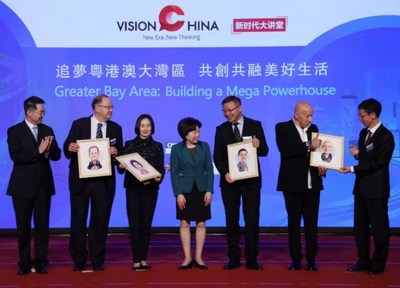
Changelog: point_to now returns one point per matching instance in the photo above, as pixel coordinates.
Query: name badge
(370, 147)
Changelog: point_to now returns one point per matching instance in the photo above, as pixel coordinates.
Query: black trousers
(96, 195)
(39, 209)
(140, 206)
(371, 217)
(303, 205)
(232, 196)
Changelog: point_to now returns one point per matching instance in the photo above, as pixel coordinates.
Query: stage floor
(336, 253)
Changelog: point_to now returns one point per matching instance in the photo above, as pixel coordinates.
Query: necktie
(236, 133)
(368, 138)
(99, 133)
(35, 132)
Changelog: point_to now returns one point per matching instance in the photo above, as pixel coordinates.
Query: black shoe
(312, 266)
(357, 268)
(375, 272)
(23, 271)
(78, 267)
(254, 266)
(294, 265)
(99, 267)
(141, 267)
(231, 265)
(186, 267)
(41, 270)
(145, 267)
(201, 267)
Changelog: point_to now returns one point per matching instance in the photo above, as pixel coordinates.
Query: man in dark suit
(247, 189)
(32, 145)
(99, 191)
(371, 188)
(300, 183)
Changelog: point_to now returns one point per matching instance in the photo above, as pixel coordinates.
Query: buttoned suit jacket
(185, 172)
(372, 172)
(80, 130)
(31, 171)
(224, 137)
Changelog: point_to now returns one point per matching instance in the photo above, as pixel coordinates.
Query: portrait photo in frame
(242, 158)
(331, 152)
(138, 166)
(94, 158)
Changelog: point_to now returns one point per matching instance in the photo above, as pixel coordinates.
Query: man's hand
(354, 150)
(255, 141)
(228, 178)
(73, 147)
(315, 143)
(45, 144)
(345, 170)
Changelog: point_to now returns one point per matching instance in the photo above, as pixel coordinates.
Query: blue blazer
(185, 172)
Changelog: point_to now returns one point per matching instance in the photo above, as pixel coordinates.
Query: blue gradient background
(363, 59)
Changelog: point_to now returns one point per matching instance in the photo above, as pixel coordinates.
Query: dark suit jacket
(224, 137)
(185, 172)
(80, 130)
(31, 171)
(295, 159)
(372, 171)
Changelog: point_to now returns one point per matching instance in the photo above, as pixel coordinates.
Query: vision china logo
(171, 18)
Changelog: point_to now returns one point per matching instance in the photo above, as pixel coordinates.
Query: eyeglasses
(39, 112)
(225, 111)
(106, 107)
(363, 116)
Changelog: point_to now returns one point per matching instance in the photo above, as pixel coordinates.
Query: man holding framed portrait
(93, 188)
(248, 189)
(300, 183)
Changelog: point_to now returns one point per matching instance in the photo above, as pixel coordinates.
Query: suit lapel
(294, 131)
(29, 133)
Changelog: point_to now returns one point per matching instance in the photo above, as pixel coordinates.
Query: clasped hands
(45, 143)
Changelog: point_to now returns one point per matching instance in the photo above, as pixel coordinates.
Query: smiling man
(235, 129)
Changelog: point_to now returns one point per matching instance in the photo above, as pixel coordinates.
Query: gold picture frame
(94, 158)
(243, 161)
(331, 152)
(138, 166)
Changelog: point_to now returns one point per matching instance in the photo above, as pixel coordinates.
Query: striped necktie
(99, 133)
(236, 133)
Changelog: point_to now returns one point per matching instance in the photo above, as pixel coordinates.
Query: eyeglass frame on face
(106, 107)
(363, 116)
(38, 112)
(225, 111)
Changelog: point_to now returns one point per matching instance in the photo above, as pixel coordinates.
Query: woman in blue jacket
(192, 180)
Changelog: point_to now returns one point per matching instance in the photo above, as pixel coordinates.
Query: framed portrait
(331, 152)
(94, 158)
(243, 161)
(138, 166)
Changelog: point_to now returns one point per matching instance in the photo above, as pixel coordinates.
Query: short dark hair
(187, 125)
(91, 147)
(139, 119)
(30, 103)
(232, 98)
(98, 99)
(371, 105)
(242, 149)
